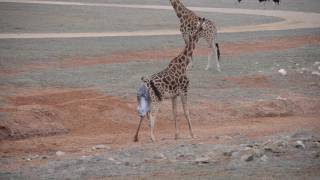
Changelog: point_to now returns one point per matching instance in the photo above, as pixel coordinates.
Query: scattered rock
(282, 72)
(264, 158)
(315, 144)
(303, 70)
(299, 144)
(100, 146)
(316, 63)
(187, 157)
(302, 136)
(159, 156)
(44, 157)
(202, 160)
(315, 73)
(275, 147)
(228, 153)
(60, 153)
(247, 157)
(126, 163)
(281, 98)
(249, 154)
(111, 159)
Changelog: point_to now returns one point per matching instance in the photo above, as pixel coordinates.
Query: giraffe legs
(136, 136)
(152, 118)
(186, 112)
(174, 111)
(214, 51)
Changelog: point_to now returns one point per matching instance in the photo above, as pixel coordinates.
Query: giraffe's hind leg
(185, 107)
(152, 119)
(214, 51)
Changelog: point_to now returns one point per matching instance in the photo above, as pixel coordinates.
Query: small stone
(264, 158)
(202, 160)
(316, 63)
(228, 153)
(100, 146)
(185, 157)
(281, 98)
(126, 163)
(111, 159)
(299, 144)
(315, 73)
(60, 153)
(35, 156)
(159, 156)
(44, 157)
(315, 144)
(282, 72)
(247, 157)
(274, 148)
(257, 152)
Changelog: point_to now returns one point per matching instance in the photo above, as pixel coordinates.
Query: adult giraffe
(189, 22)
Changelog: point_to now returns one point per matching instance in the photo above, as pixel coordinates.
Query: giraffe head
(193, 38)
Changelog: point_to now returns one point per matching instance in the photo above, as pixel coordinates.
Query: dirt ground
(68, 118)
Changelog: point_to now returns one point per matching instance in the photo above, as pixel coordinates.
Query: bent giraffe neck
(178, 7)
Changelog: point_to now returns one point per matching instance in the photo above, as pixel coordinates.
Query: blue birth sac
(143, 100)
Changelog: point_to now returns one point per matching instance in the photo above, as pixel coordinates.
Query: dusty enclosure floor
(68, 105)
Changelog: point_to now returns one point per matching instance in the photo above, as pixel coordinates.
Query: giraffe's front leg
(185, 107)
(136, 136)
(174, 111)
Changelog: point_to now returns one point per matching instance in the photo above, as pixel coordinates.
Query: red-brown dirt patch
(94, 118)
(251, 81)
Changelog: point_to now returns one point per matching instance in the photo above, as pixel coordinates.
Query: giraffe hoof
(176, 136)
(194, 136)
(135, 139)
(153, 139)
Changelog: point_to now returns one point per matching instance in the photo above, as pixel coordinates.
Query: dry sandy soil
(272, 134)
(73, 120)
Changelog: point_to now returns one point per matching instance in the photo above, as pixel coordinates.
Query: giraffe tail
(156, 90)
(218, 51)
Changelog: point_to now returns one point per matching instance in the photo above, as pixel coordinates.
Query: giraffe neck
(182, 61)
(178, 7)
